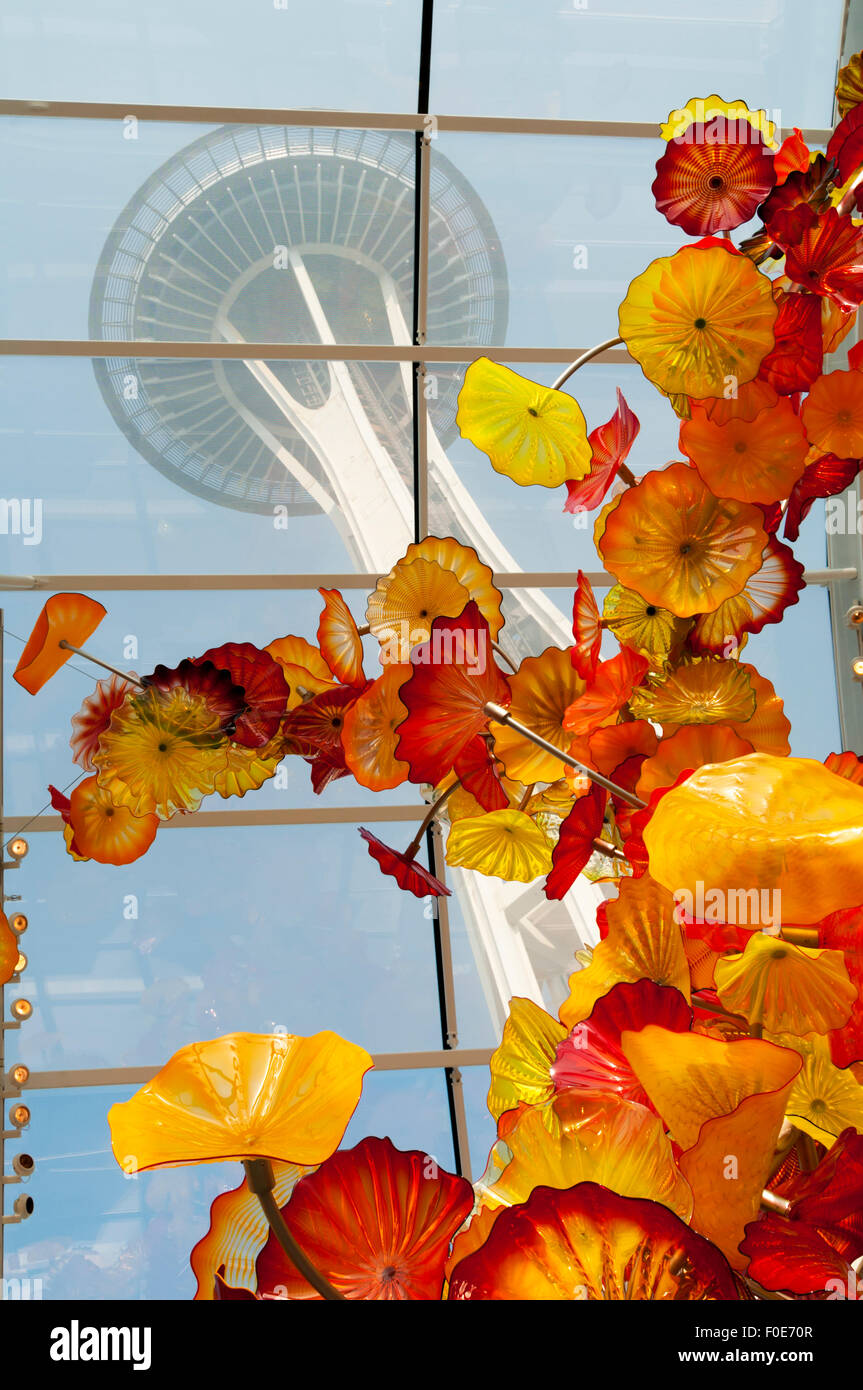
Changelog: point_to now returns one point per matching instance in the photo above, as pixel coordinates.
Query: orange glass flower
(612, 688)
(369, 732)
(378, 1221)
(161, 753)
(65, 618)
(542, 688)
(756, 460)
(529, 432)
(586, 628)
(340, 642)
(103, 831)
(694, 319)
(588, 1243)
(764, 599)
(10, 950)
(237, 1234)
(763, 822)
(717, 1098)
(246, 1095)
(679, 546)
(303, 667)
(786, 988)
(705, 690)
(691, 747)
(833, 414)
(769, 726)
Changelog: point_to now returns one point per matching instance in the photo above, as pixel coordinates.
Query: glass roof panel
(216, 931)
(603, 60)
(357, 55)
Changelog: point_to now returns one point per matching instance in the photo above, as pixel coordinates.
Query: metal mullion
(429, 1060)
(337, 119)
(449, 1017)
(215, 583)
(200, 349)
(203, 820)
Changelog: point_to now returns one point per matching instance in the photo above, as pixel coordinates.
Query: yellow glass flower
(246, 1095)
(247, 769)
(727, 114)
(435, 578)
(404, 605)
(580, 1137)
(786, 988)
(694, 319)
(707, 690)
(765, 823)
(644, 942)
(161, 752)
(542, 688)
(849, 84)
(642, 625)
(502, 844)
(529, 432)
(680, 547)
(521, 1066)
(824, 1100)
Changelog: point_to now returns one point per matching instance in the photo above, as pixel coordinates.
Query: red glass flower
(375, 1220)
(454, 675)
(265, 687)
(407, 872)
(710, 187)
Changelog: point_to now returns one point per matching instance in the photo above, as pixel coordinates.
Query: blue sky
(294, 926)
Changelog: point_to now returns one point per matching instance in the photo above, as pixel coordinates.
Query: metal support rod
(261, 1181)
(502, 716)
(585, 357)
(97, 661)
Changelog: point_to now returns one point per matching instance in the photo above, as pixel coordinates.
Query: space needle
(303, 234)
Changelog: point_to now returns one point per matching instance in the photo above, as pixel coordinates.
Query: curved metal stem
(413, 848)
(502, 654)
(261, 1180)
(585, 357)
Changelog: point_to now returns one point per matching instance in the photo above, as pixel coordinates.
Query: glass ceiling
(158, 477)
